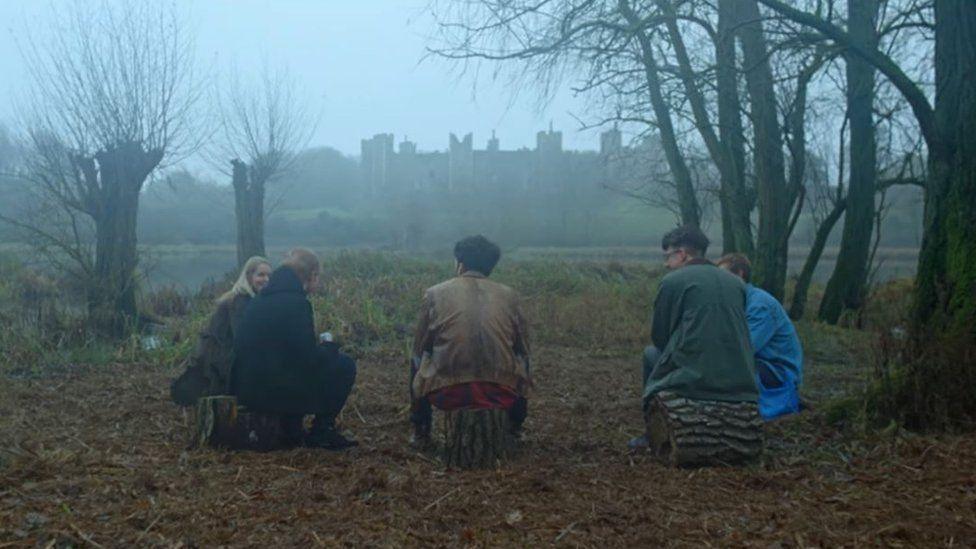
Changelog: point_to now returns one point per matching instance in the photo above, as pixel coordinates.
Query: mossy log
(476, 439)
(221, 423)
(684, 432)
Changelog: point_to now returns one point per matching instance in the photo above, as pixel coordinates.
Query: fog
(361, 63)
(385, 142)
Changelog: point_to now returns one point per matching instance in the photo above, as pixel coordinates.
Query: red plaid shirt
(477, 395)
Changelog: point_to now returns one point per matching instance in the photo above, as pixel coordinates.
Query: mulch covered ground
(97, 456)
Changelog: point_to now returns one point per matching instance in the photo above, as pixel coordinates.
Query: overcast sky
(360, 59)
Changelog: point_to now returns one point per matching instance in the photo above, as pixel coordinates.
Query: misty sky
(358, 58)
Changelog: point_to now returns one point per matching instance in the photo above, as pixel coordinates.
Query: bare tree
(608, 47)
(725, 144)
(938, 390)
(110, 100)
(264, 124)
(826, 205)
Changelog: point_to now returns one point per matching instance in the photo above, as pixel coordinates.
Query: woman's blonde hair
(243, 284)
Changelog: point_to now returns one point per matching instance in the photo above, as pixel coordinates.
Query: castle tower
(549, 143)
(377, 157)
(460, 163)
(493, 142)
(548, 153)
(610, 142)
(407, 147)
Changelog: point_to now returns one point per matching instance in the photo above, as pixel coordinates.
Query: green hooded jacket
(700, 327)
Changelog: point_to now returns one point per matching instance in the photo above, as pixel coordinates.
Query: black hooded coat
(279, 368)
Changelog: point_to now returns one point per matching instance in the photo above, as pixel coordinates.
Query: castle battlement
(463, 168)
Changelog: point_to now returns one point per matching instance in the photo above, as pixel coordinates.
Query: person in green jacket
(701, 348)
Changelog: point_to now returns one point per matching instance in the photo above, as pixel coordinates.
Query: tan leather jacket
(471, 329)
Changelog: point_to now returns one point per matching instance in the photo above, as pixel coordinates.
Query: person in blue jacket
(775, 344)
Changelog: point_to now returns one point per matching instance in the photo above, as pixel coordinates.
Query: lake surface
(187, 267)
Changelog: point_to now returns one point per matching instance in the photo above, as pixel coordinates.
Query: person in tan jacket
(471, 349)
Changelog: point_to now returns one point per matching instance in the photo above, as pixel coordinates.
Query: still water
(187, 267)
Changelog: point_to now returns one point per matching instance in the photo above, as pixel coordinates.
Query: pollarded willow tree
(111, 90)
(264, 124)
(935, 386)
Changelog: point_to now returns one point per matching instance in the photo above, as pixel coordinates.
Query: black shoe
(328, 438)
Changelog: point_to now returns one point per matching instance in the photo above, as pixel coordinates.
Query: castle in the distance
(462, 168)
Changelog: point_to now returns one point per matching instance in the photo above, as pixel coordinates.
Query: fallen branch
(434, 503)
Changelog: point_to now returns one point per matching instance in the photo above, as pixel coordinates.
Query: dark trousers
(651, 355)
(340, 374)
(767, 375)
(422, 411)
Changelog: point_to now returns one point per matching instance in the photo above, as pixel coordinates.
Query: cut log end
(221, 423)
(685, 433)
(476, 439)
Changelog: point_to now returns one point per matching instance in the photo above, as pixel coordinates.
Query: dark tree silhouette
(111, 95)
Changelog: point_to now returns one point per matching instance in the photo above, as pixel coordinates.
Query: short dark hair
(477, 253)
(688, 237)
(738, 264)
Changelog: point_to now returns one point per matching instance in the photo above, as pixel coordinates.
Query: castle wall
(461, 169)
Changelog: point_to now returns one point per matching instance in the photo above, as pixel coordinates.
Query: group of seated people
(714, 337)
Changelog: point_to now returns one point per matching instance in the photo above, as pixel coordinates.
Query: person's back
(779, 356)
(775, 344)
(209, 369)
(280, 369)
(472, 333)
(700, 340)
(277, 350)
(471, 349)
(700, 328)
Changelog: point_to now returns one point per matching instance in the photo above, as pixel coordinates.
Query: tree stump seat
(685, 432)
(476, 439)
(221, 422)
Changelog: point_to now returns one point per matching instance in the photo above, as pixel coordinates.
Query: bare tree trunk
(847, 284)
(249, 212)
(936, 382)
(728, 153)
(112, 293)
(799, 303)
(946, 280)
(774, 204)
(687, 201)
(734, 191)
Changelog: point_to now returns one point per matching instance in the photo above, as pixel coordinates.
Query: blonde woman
(208, 371)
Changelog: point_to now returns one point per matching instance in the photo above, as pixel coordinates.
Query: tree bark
(938, 376)
(774, 204)
(734, 190)
(847, 284)
(476, 439)
(728, 153)
(685, 432)
(800, 292)
(690, 210)
(114, 206)
(945, 297)
(248, 211)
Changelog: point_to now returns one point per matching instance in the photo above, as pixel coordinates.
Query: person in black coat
(279, 367)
